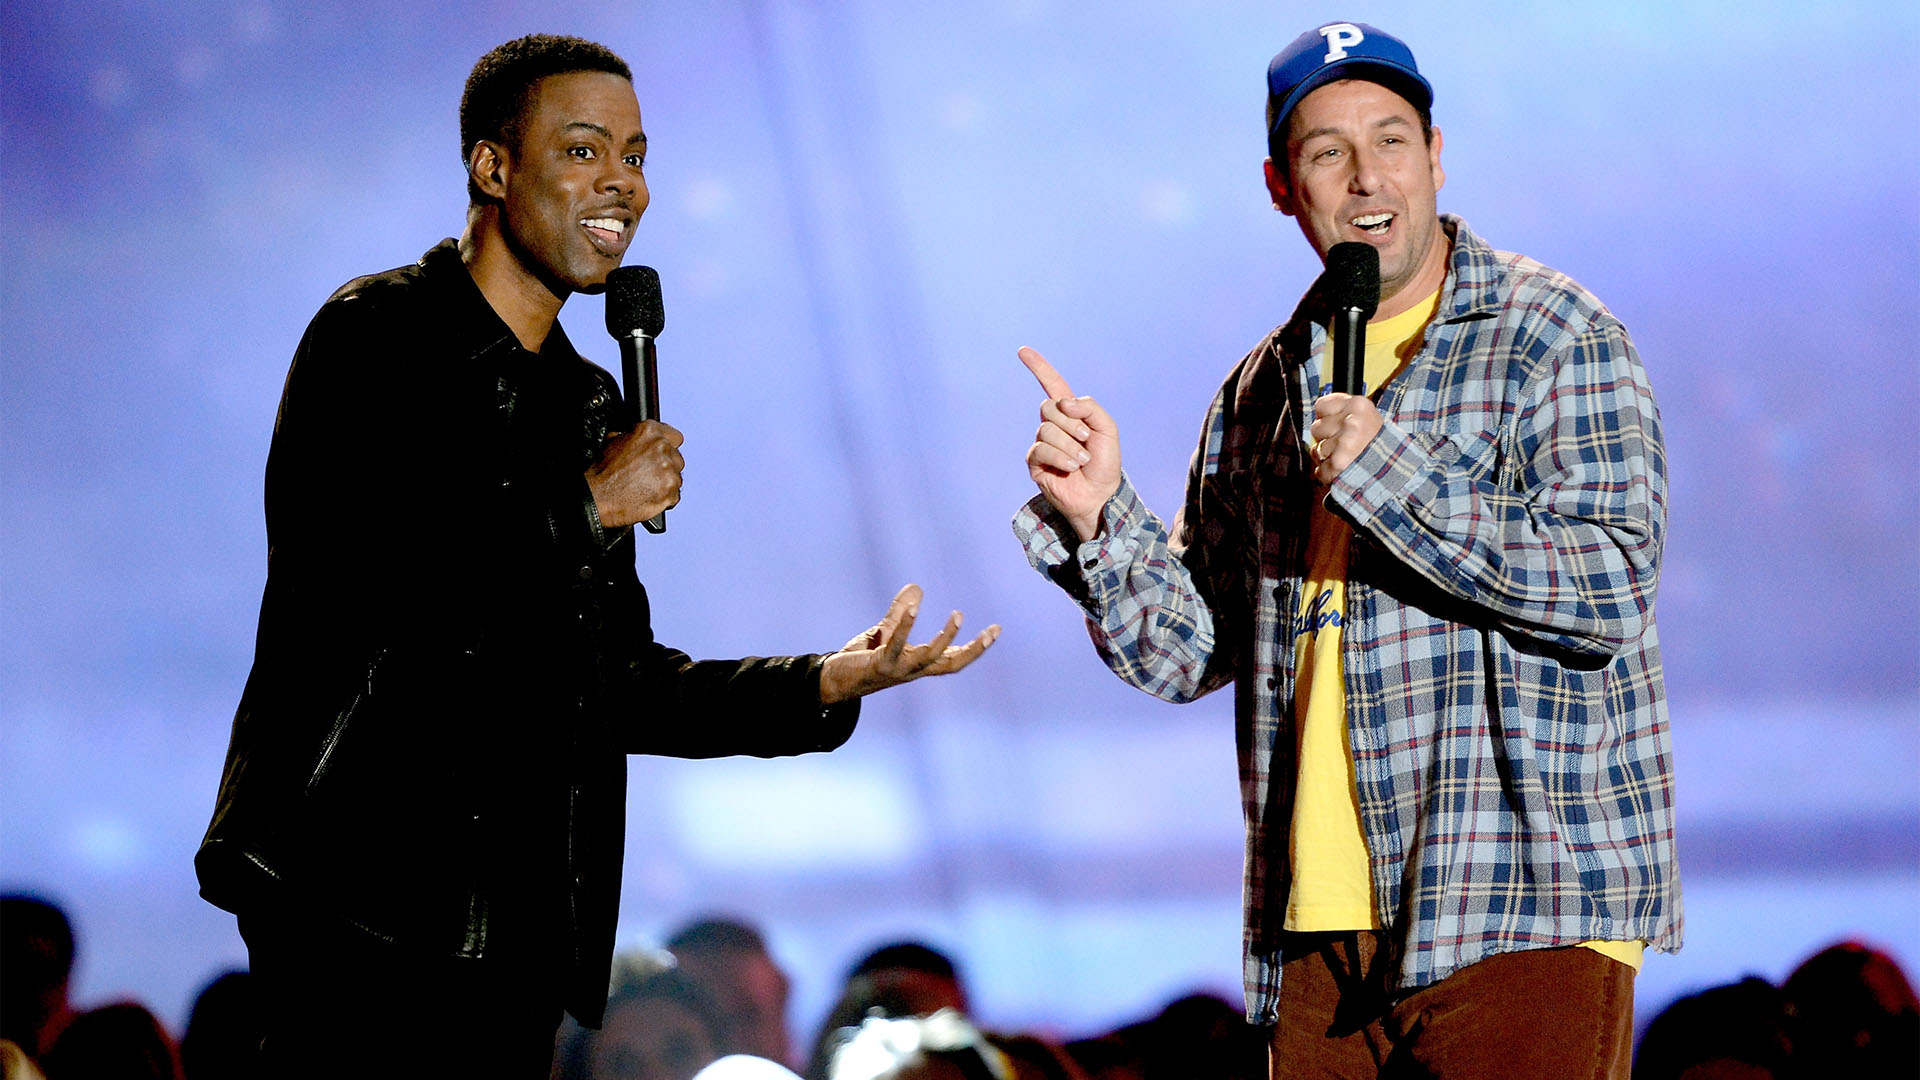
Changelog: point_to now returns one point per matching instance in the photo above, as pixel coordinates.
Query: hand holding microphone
(638, 477)
(1345, 420)
(640, 470)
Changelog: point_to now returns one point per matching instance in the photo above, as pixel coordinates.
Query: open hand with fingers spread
(880, 657)
(1075, 456)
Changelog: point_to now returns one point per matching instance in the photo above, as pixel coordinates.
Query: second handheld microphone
(635, 316)
(1353, 292)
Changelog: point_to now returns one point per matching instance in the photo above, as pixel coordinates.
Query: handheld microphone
(1353, 288)
(635, 317)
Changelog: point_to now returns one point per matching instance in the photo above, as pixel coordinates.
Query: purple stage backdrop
(860, 209)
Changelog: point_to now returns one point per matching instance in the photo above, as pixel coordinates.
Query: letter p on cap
(1340, 37)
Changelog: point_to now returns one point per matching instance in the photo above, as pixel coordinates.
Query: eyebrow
(639, 137)
(1307, 136)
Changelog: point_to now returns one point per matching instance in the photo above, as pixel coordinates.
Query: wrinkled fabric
(1506, 706)
(454, 657)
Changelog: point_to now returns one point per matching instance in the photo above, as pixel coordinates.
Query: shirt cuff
(1089, 570)
(1391, 464)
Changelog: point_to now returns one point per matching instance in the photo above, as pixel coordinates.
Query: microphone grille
(1353, 276)
(633, 302)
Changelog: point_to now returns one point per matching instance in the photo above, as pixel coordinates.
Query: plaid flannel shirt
(1505, 702)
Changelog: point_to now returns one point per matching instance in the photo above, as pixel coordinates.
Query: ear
(1433, 158)
(1277, 187)
(489, 167)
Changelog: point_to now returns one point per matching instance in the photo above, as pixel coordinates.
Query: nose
(618, 179)
(1365, 179)
(625, 183)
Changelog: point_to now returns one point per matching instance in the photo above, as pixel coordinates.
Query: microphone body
(1349, 350)
(640, 376)
(635, 316)
(1353, 291)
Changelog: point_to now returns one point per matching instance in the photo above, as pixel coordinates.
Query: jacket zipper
(340, 722)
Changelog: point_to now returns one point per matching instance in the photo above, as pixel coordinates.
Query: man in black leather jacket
(420, 823)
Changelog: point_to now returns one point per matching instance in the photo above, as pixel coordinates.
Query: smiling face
(1360, 168)
(572, 191)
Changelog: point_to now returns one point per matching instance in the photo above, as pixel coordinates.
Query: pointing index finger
(1050, 380)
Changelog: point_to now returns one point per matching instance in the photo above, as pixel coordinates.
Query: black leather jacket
(453, 657)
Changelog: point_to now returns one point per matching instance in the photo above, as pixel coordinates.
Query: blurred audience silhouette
(122, 1041)
(1847, 1011)
(660, 1025)
(919, 972)
(36, 953)
(223, 1031)
(1732, 1032)
(730, 960)
(1196, 1037)
(1854, 1014)
(904, 1012)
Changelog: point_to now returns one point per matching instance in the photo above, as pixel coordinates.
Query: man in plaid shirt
(1435, 604)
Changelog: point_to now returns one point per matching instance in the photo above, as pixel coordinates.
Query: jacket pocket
(384, 828)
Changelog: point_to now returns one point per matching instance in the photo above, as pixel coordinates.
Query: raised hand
(638, 474)
(1075, 456)
(880, 657)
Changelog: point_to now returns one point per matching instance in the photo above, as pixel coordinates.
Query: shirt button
(586, 573)
(1273, 683)
(1090, 564)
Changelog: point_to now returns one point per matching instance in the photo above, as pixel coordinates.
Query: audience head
(36, 954)
(224, 1030)
(729, 959)
(1196, 1037)
(659, 1025)
(1853, 1014)
(1202, 1037)
(1107, 1057)
(122, 1041)
(924, 975)
(1733, 1031)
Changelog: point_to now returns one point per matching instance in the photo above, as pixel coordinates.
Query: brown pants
(1542, 1014)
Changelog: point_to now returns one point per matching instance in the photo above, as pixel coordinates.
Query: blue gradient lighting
(860, 211)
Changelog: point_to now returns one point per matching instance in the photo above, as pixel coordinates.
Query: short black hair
(906, 956)
(501, 86)
(35, 926)
(1277, 136)
(717, 933)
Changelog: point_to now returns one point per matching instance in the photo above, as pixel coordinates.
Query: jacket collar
(474, 327)
(1472, 287)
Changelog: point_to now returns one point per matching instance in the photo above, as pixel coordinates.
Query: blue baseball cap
(1343, 51)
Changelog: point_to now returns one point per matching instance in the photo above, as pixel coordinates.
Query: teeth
(612, 225)
(1370, 221)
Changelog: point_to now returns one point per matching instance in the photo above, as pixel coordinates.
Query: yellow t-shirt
(1332, 886)
(1332, 889)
